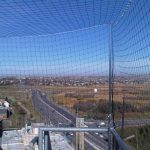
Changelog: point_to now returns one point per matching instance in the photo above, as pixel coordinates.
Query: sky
(81, 52)
(62, 37)
(132, 40)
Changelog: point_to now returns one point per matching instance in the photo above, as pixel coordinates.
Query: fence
(71, 59)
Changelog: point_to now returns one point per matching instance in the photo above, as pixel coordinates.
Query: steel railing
(44, 140)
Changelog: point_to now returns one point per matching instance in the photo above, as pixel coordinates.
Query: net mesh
(131, 54)
(131, 36)
(54, 59)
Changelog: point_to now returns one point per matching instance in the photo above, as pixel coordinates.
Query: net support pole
(110, 85)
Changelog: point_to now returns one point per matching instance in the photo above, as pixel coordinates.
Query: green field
(22, 109)
(141, 137)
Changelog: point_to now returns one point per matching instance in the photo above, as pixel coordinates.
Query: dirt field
(136, 96)
(89, 103)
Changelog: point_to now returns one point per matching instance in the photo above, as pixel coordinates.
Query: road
(55, 115)
(127, 123)
(133, 122)
(59, 116)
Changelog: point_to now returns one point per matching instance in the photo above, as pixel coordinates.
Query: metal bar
(40, 140)
(110, 85)
(119, 141)
(123, 113)
(110, 70)
(116, 146)
(74, 129)
(45, 141)
(112, 77)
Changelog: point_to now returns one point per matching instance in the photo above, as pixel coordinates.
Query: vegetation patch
(15, 97)
(141, 137)
(17, 119)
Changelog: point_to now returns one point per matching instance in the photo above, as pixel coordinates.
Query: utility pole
(137, 145)
(123, 111)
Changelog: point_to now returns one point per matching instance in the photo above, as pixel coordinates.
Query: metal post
(80, 135)
(40, 139)
(110, 69)
(70, 129)
(137, 145)
(110, 84)
(116, 145)
(120, 143)
(123, 111)
(1, 132)
(63, 129)
(47, 145)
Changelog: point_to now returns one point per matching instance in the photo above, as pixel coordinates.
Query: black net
(55, 66)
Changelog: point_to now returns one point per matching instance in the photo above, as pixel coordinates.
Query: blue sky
(79, 52)
(132, 40)
(62, 37)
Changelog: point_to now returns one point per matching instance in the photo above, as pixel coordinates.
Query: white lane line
(89, 142)
(55, 110)
(100, 142)
(93, 145)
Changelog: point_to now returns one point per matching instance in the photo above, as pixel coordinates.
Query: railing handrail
(119, 140)
(122, 145)
(72, 129)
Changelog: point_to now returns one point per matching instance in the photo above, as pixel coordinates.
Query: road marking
(90, 143)
(102, 143)
(55, 110)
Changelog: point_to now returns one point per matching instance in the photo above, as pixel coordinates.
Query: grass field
(141, 137)
(137, 99)
(19, 116)
(88, 103)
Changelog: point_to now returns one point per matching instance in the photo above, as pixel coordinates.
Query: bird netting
(55, 57)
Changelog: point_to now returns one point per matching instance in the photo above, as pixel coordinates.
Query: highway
(59, 116)
(127, 123)
(133, 122)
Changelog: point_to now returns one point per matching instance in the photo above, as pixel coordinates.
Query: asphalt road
(133, 122)
(59, 116)
(127, 123)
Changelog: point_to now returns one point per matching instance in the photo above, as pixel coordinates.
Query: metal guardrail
(119, 144)
(101, 130)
